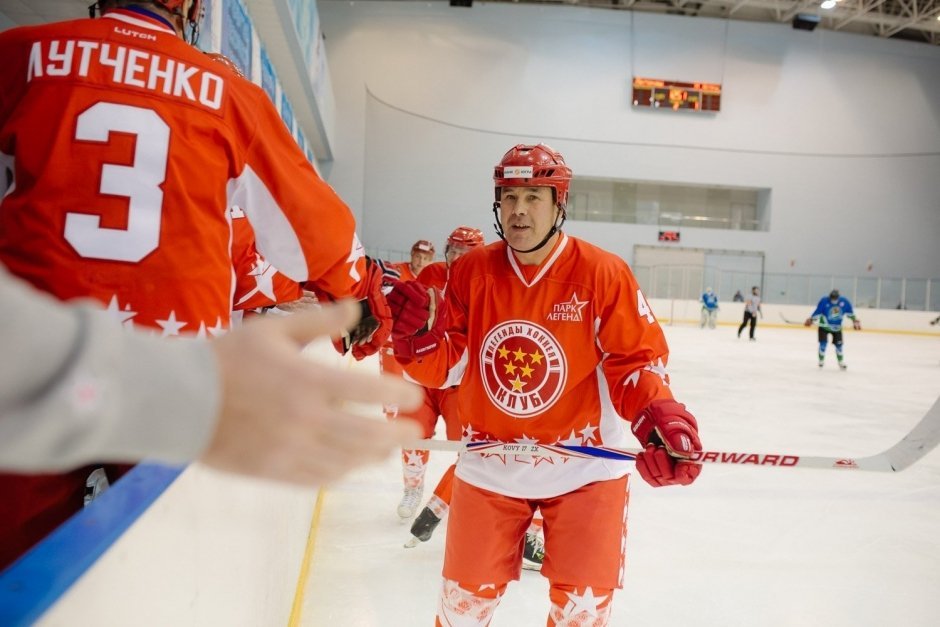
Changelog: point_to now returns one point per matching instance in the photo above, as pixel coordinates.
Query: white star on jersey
(587, 433)
(659, 368)
(633, 379)
(124, 317)
(355, 252)
(264, 280)
(171, 326)
(217, 329)
(572, 440)
(468, 433)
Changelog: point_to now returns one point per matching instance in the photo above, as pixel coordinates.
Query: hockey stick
(782, 317)
(922, 439)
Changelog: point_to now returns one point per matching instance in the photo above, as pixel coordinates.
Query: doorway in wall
(684, 273)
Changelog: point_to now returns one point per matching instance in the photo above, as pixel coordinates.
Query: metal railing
(390, 254)
(688, 282)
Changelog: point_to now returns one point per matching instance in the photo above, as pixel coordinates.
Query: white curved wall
(845, 129)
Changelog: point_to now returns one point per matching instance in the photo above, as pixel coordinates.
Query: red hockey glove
(808, 323)
(375, 323)
(658, 468)
(857, 325)
(415, 308)
(409, 303)
(669, 433)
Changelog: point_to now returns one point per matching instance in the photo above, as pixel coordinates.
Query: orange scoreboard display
(661, 94)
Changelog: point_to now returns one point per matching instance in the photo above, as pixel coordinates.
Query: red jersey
(556, 353)
(257, 282)
(434, 275)
(403, 268)
(127, 147)
(400, 271)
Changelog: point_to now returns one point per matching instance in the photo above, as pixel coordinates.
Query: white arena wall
(843, 129)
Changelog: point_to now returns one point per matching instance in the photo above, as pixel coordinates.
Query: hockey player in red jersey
(126, 147)
(437, 402)
(551, 341)
(442, 403)
(422, 253)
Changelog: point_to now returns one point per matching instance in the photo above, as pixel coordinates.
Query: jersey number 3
(140, 183)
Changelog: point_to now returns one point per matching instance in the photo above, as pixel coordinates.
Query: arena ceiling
(914, 20)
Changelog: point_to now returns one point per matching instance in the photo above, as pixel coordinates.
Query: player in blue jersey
(829, 314)
(709, 308)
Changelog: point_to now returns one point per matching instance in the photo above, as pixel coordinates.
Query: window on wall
(673, 205)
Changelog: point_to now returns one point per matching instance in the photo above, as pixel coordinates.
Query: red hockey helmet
(533, 166)
(465, 237)
(422, 246)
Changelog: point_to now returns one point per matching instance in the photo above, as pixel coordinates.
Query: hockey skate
(422, 528)
(410, 501)
(95, 485)
(533, 553)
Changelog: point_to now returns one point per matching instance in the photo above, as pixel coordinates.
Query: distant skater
(829, 314)
(751, 311)
(709, 302)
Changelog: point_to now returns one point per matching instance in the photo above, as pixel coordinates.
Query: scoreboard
(662, 94)
(669, 236)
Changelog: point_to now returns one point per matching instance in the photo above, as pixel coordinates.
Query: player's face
(419, 259)
(453, 253)
(527, 215)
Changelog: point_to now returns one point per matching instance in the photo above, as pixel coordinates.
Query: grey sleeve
(77, 388)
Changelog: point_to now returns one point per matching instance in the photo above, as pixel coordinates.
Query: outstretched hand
(282, 415)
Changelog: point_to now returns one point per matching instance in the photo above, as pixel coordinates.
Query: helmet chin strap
(555, 228)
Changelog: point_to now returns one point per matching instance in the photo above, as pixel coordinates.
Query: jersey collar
(141, 18)
(560, 246)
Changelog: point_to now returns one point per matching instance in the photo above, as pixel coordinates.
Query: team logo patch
(523, 368)
(568, 311)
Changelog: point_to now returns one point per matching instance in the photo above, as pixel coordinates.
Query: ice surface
(742, 546)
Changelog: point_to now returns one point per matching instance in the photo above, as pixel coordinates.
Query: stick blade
(922, 439)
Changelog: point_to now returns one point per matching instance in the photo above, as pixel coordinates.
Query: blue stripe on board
(34, 582)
